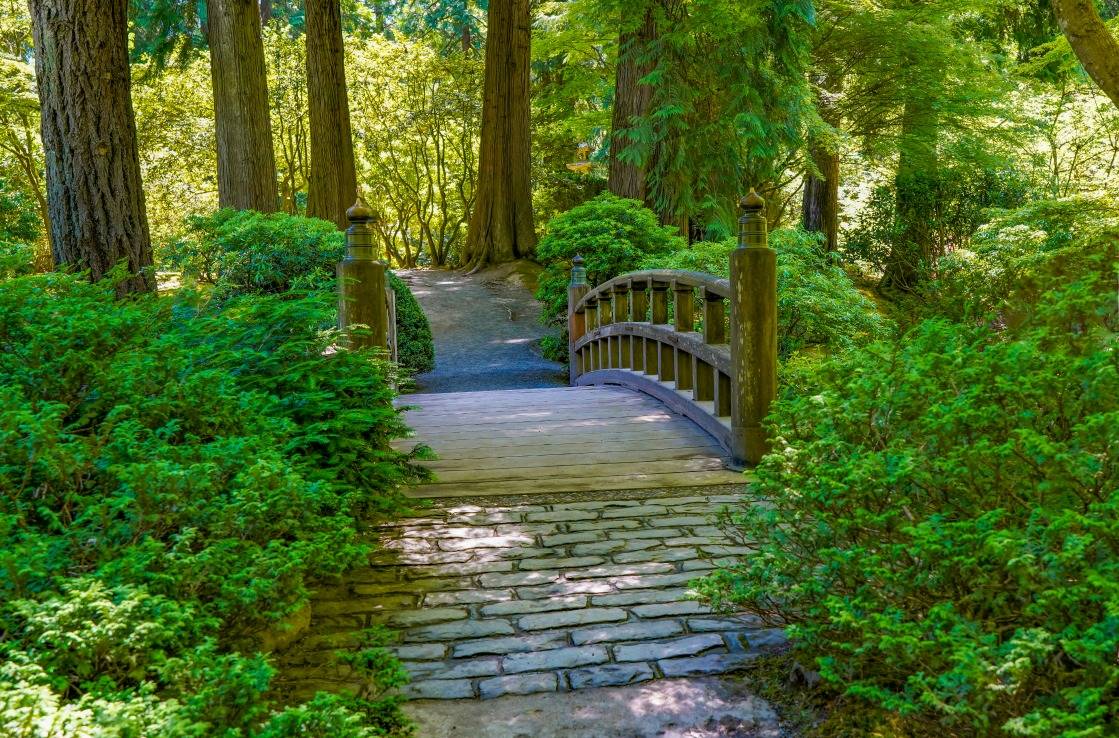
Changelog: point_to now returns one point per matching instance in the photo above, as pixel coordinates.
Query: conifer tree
(94, 192)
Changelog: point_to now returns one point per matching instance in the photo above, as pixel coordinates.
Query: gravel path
(486, 334)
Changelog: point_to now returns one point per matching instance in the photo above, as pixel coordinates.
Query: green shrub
(414, 343)
(1023, 254)
(174, 473)
(612, 235)
(19, 216)
(959, 199)
(20, 230)
(938, 523)
(17, 258)
(246, 252)
(817, 304)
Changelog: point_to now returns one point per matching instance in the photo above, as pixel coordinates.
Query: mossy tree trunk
(246, 161)
(631, 104)
(1091, 41)
(501, 224)
(820, 204)
(915, 187)
(333, 184)
(94, 192)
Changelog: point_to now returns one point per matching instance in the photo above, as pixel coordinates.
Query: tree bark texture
(1092, 42)
(501, 226)
(246, 162)
(333, 184)
(94, 192)
(820, 204)
(631, 103)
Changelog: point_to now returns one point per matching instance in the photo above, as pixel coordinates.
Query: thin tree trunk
(915, 186)
(1092, 42)
(333, 185)
(631, 103)
(820, 211)
(94, 192)
(501, 225)
(246, 161)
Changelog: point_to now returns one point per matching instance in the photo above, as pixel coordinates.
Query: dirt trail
(486, 332)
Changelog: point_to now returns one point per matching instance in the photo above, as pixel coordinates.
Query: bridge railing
(364, 295)
(714, 362)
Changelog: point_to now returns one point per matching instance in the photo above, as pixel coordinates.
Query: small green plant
(613, 235)
(414, 342)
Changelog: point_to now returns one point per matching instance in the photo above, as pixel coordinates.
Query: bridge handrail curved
(620, 333)
(696, 280)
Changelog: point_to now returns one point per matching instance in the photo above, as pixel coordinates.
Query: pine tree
(501, 225)
(246, 161)
(333, 184)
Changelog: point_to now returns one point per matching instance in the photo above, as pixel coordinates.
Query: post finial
(360, 212)
(752, 226)
(578, 272)
(753, 202)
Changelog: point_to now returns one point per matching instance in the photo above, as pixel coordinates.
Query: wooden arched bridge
(671, 375)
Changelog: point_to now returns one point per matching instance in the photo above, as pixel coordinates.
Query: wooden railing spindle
(683, 309)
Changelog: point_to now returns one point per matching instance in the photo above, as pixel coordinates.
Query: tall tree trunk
(820, 211)
(501, 227)
(1091, 41)
(246, 162)
(333, 184)
(915, 187)
(94, 192)
(631, 103)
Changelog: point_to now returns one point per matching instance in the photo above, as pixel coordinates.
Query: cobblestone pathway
(542, 597)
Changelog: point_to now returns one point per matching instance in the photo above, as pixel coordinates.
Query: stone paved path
(545, 597)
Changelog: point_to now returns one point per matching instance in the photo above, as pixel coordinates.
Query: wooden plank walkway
(562, 439)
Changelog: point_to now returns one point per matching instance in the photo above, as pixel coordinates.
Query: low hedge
(175, 472)
(246, 252)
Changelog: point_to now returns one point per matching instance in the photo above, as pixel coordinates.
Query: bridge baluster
(714, 332)
(621, 315)
(714, 317)
(753, 346)
(662, 352)
(684, 321)
(591, 312)
(639, 305)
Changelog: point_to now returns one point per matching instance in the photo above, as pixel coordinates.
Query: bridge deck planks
(565, 439)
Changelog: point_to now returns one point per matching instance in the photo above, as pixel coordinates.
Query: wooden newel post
(753, 347)
(361, 283)
(576, 320)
